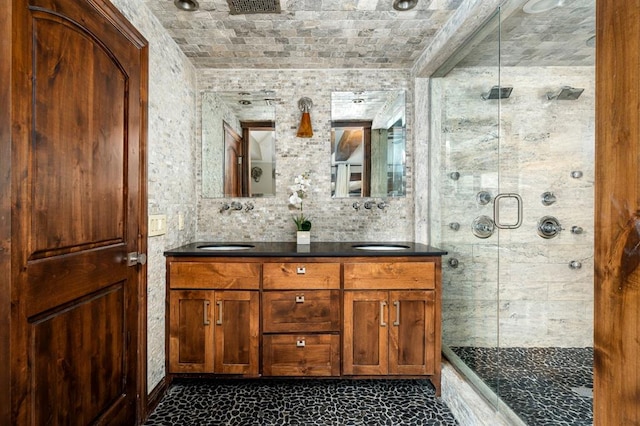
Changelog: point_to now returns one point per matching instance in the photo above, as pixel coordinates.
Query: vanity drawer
(301, 275)
(390, 275)
(298, 311)
(235, 276)
(301, 355)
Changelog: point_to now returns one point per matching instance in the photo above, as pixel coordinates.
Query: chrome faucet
(236, 205)
(382, 205)
(369, 204)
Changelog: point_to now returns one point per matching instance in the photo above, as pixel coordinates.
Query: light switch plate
(157, 224)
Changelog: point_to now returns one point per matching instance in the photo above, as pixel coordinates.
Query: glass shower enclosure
(512, 166)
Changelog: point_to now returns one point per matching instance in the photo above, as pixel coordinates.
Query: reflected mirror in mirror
(368, 144)
(238, 144)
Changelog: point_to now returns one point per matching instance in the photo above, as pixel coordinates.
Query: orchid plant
(299, 191)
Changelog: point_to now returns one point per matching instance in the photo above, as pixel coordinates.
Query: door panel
(411, 332)
(80, 365)
(365, 340)
(237, 316)
(79, 148)
(78, 179)
(191, 331)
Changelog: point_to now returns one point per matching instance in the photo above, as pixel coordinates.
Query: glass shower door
(465, 148)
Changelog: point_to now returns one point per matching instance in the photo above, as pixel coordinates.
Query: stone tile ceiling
(307, 34)
(554, 38)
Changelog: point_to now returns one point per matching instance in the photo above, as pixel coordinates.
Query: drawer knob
(300, 343)
(300, 299)
(301, 270)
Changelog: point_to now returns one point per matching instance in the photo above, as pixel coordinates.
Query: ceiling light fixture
(403, 5)
(187, 5)
(540, 6)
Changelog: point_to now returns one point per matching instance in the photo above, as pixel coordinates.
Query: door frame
(617, 199)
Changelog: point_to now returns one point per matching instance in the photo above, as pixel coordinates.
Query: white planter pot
(303, 237)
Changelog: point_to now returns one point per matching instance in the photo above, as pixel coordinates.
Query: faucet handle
(382, 205)
(224, 207)
(369, 204)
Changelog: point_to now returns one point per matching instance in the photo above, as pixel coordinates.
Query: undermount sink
(225, 247)
(380, 247)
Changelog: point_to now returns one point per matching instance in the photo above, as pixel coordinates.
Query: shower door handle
(496, 211)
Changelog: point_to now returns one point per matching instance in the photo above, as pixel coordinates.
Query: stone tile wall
(515, 283)
(333, 219)
(171, 165)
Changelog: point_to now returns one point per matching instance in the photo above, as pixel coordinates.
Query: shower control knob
(577, 230)
(453, 262)
(576, 174)
(454, 226)
(454, 175)
(548, 198)
(483, 198)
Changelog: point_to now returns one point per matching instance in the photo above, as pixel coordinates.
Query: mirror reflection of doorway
(249, 160)
(233, 152)
(350, 158)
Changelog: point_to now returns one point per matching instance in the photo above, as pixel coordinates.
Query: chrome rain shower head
(498, 92)
(566, 93)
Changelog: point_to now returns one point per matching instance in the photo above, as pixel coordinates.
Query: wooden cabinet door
(411, 332)
(237, 332)
(365, 337)
(191, 328)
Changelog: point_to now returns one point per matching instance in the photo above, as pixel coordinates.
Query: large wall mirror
(238, 144)
(368, 144)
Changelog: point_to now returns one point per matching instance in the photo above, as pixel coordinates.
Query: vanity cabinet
(213, 322)
(301, 319)
(391, 320)
(305, 316)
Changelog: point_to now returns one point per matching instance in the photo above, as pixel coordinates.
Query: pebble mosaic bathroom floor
(301, 402)
(543, 386)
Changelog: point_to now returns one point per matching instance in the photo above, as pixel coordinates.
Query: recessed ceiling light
(187, 5)
(539, 6)
(404, 4)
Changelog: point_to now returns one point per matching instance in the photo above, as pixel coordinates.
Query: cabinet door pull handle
(219, 321)
(205, 320)
(300, 299)
(301, 270)
(396, 303)
(382, 305)
(300, 343)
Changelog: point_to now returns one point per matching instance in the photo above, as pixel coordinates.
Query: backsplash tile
(333, 219)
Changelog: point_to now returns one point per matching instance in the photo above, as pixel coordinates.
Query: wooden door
(237, 332)
(78, 179)
(366, 335)
(191, 328)
(617, 220)
(412, 332)
(233, 152)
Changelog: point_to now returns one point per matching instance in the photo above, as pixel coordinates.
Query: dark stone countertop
(315, 249)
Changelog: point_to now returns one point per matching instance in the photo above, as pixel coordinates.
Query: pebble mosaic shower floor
(301, 402)
(543, 386)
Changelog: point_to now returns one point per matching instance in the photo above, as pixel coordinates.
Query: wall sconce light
(305, 130)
